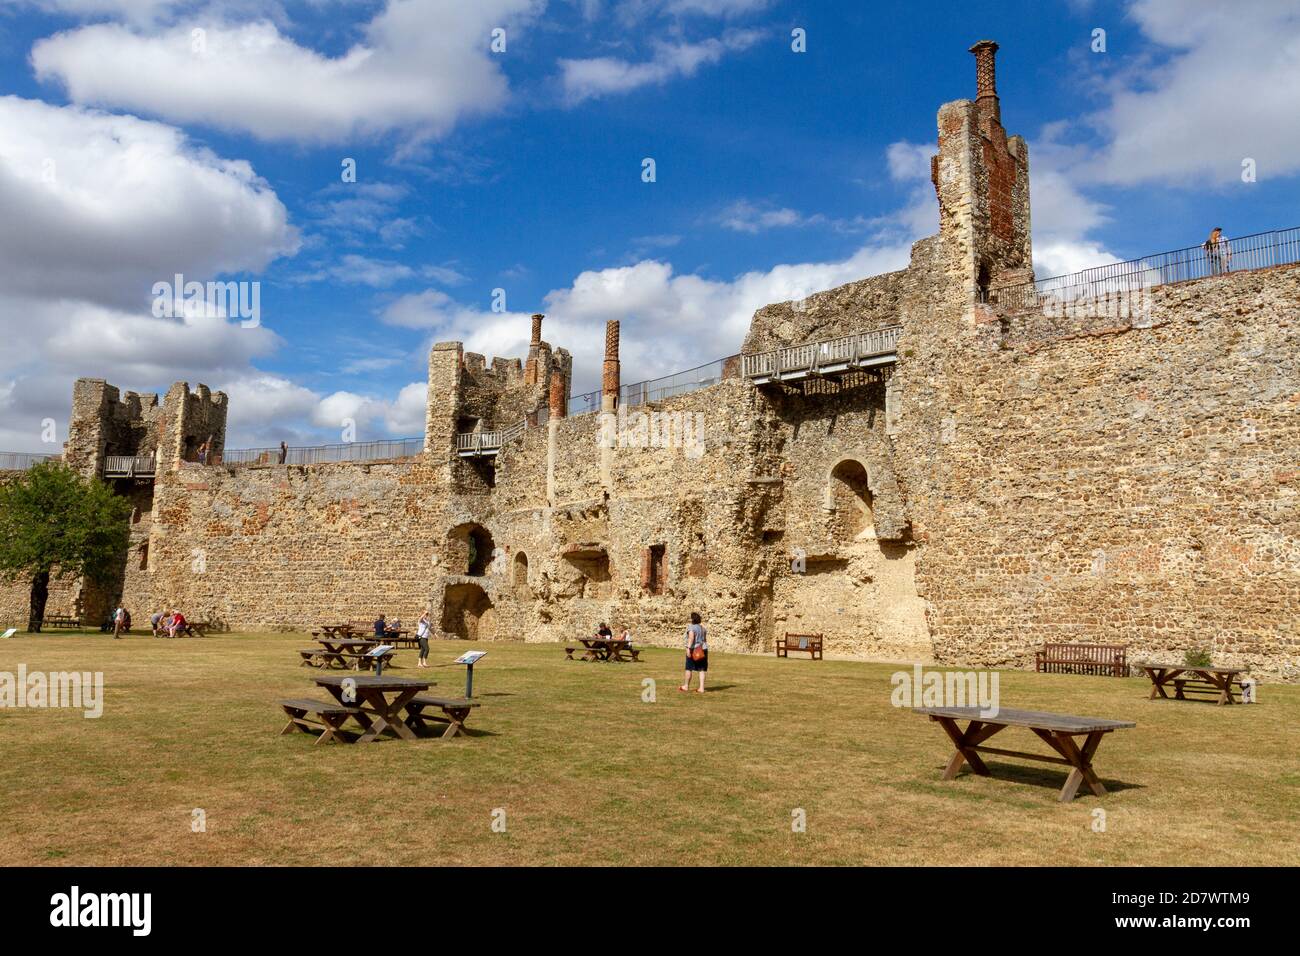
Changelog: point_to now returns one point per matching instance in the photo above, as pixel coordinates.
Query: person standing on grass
(155, 621)
(119, 623)
(422, 635)
(697, 646)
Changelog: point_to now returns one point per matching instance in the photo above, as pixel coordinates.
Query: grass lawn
(587, 773)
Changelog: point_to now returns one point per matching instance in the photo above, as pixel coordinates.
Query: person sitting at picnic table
(177, 624)
(422, 635)
(394, 626)
(626, 637)
(380, 627)
(696, 637)
(603, 632)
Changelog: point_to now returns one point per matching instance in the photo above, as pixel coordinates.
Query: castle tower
(981, 177)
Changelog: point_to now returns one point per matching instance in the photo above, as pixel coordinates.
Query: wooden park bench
(1056, 730)
(454, 711)
(812, 643)
(329, 718)
(60, 620)
(1098, 659)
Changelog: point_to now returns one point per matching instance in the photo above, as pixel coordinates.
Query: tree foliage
(54, 522)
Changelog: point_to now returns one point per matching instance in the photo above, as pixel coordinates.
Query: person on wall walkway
(697, 653)
(1217, 251)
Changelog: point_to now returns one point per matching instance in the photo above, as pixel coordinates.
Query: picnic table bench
(343, 652)
(1098, 659)
(329, 718)
(60, 620)
(1216, 681)
(812, 643)
(401, 638)
(1056, 730)
(454, 711)
(379, 702)
(604, 649)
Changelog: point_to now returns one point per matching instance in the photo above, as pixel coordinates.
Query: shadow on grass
(1043, 777)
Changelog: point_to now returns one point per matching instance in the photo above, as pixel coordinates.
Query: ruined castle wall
(1122, 484)
(280, 546)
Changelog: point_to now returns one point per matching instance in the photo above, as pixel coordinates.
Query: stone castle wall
(1122, 475)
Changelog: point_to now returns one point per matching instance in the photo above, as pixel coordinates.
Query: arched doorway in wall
(467, 612)
(849, 501)
(470, 549)
(519, 575)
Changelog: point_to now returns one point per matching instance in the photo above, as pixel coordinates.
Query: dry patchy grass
(588, 773)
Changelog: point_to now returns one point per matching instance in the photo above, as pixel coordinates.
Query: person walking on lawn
(697, 653)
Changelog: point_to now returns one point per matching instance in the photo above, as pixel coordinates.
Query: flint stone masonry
(1111, 474)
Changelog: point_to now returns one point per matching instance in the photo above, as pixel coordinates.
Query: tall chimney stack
(533, 374)
(986, 83)
(609, 379)
(557, 396)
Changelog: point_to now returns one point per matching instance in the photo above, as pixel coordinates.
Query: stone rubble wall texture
(1122, 476)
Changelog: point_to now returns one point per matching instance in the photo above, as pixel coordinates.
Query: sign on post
(468, 659)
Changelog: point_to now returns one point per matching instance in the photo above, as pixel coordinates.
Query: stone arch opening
(467, 612)
(470, 550)
(850, 502)
(519, 574)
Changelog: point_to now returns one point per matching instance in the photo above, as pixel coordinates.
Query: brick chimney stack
(986, 83)
(532, 373)
(609, 379)
(557, 396)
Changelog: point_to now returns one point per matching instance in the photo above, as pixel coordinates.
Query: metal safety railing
(1259, 251)
(129, 466)
(323, 454)
(846, 351)
(21, 460)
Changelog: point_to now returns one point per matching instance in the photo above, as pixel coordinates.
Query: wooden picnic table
(607, 649)
(1056, 730)
(342, 652)
(401, 637)
(380, 702)
(334, 630)
(1213, 680)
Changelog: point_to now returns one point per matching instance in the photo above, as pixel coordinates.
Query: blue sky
(777, 173)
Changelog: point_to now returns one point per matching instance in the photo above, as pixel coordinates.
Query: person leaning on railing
(1217, 252)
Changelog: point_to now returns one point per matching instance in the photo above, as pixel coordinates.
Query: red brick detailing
(556, 397)
(609, 379)
(1001, 168)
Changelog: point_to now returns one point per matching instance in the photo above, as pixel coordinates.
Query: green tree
(54, 522)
